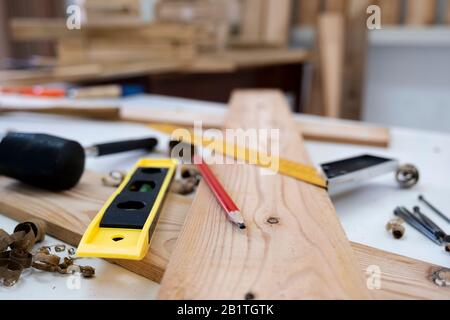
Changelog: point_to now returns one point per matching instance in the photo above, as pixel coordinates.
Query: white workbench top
(363, 213)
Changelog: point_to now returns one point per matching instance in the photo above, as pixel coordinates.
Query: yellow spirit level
(125, 225)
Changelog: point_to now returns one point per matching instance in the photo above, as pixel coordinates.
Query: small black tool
(54, 163)
(438, 212)
(438, 232)
(422, 224)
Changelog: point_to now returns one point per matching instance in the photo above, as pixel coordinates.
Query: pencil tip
(241, 226)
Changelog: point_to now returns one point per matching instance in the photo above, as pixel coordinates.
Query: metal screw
(273, 220)
(429, 205)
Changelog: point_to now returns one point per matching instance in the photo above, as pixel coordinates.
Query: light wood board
(304, 256)
(420, 12)
(355, 58)
(68, 215)
(447, 15)
(331, 39)
(308, 11)
(277, 22)
(390, 11)
(327, 131)
(335, 6)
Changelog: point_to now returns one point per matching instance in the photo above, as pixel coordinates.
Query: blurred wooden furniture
(339, 63)
(210, 77)
(420, 12)
(185, 52)
(264, 23)
(393, 12)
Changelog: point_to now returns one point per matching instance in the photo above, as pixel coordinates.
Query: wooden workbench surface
(363, 213)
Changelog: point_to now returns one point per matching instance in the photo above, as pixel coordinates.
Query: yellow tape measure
(286, 167)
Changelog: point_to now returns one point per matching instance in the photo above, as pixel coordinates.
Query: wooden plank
(355, 58)
(335, 6)
(390, 11)
(252, 13)
(264, 23)
(98, 112)
(401, 278)
(308, 12)
(87, 72)
(36, 29)
(447, 16)
(214, 260)
(118, 10)
(420, 12)
(5, 45)
(344, 132)
(69, 213)
(331, 39)
(329, 131)
(277, 22)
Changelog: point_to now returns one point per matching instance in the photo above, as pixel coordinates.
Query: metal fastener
(429, 205)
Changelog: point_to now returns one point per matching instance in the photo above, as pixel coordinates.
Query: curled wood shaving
(15, 254)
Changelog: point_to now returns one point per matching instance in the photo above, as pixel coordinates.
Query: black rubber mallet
(54, 163)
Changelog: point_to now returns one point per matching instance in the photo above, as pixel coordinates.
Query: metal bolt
(429, 205)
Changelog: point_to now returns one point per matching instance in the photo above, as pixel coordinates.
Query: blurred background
(320, 52)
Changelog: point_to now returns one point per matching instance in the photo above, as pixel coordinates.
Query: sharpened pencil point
(241, 226)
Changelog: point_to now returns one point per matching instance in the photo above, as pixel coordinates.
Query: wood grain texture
(305, 256)
(331, 39)
(420, 12)
(68, 214)
(344, 132)
(401, 278)
(390, 11)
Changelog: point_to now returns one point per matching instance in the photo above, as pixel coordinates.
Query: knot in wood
(273, 220)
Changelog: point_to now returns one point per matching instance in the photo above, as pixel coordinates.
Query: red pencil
(222, 196)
